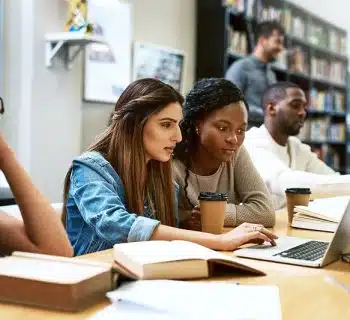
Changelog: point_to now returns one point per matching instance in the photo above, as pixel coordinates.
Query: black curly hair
(207, 95)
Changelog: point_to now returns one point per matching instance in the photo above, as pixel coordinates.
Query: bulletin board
(162, 63)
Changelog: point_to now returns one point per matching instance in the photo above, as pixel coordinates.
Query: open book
(320, 214)
(173, 260)
(53, 282)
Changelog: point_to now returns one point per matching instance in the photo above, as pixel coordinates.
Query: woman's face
(222, 132)
(162, 132)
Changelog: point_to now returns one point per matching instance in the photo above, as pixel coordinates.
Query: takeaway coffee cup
(213, 209)
(296, 197)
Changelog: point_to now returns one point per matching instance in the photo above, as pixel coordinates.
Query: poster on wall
(165, 64)
(108, 67)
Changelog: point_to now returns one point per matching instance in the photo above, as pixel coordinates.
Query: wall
(169, 23)
(43, 115)
(12, 71)
(56, 105)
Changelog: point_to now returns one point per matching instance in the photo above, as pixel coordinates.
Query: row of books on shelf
(328, 155)
(270, 13)
(322, 130)
(334, 71)
(337, 42)
(329, 100)
(318, 35)
(237, 41)
(246, 6)
(298, 60)
(332, 40)
(294, 25)
(323, 69)
(337, 132)
(298, 27)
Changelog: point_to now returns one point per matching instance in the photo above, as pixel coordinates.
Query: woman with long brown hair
(121, 189)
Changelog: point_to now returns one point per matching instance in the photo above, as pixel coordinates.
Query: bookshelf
(315, 58)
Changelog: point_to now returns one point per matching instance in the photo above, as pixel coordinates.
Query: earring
(197, 131)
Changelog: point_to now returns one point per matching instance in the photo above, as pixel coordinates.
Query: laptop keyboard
(311, 251)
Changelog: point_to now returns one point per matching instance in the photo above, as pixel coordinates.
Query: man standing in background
(253, 73)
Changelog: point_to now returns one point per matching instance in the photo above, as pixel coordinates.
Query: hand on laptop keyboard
(247, 233)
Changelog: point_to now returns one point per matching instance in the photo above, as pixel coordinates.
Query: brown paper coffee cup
(213, 210)
(296, 197)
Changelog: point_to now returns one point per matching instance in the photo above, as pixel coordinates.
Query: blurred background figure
(253, 73)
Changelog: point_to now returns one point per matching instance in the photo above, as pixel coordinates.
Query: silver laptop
(304, 252)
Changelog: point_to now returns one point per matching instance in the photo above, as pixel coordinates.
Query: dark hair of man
(266, 28)
(277, 92)
(206, 96)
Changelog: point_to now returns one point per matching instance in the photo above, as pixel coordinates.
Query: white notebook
(169, 299)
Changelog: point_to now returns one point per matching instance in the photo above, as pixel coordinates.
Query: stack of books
(53, 282)
(320, 214)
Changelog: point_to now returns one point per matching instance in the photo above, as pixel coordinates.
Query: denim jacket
(97, 216)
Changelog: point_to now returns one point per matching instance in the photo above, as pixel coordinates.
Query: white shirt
(283, 153)
(293, 165)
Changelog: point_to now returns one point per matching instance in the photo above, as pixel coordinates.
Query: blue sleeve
(237, 75)
(99, 201)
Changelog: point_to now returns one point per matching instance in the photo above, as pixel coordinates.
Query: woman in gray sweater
(211, 157)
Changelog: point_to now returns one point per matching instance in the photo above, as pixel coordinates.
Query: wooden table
(305, 293)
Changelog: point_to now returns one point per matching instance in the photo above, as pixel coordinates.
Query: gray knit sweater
(248, 197)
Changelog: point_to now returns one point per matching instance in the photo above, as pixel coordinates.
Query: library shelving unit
(315, 58)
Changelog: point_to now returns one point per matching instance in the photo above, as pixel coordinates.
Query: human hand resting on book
(245, 233)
